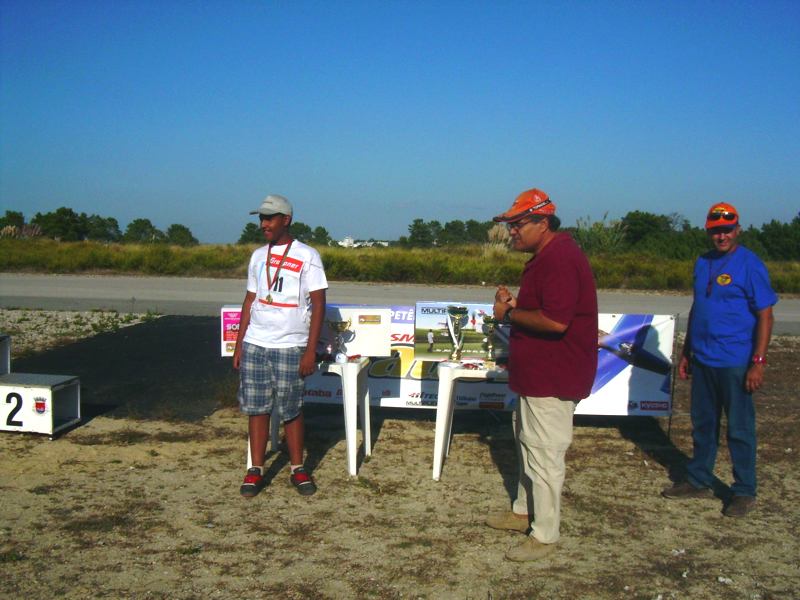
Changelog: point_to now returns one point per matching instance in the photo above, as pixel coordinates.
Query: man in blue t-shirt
(725, 352)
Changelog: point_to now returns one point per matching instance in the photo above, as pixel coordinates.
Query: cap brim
(507, 218)
(264, 212)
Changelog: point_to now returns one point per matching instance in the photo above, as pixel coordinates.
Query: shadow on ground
(168, 368)
(648, 434)
(171, 369)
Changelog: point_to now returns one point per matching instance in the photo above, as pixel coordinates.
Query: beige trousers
(543, 432)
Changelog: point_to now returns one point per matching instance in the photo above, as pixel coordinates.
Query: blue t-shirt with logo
(729, 289)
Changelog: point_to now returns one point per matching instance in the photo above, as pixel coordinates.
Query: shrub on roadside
(452, 265)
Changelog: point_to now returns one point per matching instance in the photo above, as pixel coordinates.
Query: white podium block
(39, 403)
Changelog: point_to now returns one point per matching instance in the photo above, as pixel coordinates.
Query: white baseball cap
(273, 205)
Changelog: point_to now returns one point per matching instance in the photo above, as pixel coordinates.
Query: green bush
(785, 276)
(454, 265)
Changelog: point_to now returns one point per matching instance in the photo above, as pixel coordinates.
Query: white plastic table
(449, 373)
(355, 399)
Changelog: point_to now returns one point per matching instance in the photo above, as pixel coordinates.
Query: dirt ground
(141, 499)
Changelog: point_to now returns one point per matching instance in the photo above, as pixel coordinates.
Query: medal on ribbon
(268, 299)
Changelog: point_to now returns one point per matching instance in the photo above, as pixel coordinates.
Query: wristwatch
(759, 360)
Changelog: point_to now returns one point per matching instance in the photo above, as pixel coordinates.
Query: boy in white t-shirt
(281, 320)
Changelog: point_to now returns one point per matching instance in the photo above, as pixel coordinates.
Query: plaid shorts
(269, 378)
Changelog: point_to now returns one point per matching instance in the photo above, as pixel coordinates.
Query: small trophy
(339, 350)
(489, 324)
(457, 318)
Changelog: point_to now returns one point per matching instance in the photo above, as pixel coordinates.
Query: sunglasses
(721, 214)
(520, 224)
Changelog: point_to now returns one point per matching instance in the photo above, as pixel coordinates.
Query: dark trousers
(715, 390)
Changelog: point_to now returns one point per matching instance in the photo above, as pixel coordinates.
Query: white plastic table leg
(445, 406)
(365, 411)
(350, 402)
(444, 415)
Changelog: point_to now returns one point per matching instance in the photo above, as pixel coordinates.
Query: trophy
(489, 324)
(457, 318)
(338, 350)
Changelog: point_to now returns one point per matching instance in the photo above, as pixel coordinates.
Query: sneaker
(253, 483)
(303, 482)
(530, 549)
(739, 506)
(685, 490)
(508, 520)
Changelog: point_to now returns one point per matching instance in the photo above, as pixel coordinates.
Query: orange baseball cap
(529, 202)
(722, 214)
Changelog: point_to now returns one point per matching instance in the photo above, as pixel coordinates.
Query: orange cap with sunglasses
(722, 214)
(529, 202)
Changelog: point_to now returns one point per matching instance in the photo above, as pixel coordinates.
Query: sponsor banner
(402, 392)
(433, 336)
(634, 366)
(633, 376)
(229, 316)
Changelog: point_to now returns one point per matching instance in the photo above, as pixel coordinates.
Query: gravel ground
(141, 500)
(37, 330)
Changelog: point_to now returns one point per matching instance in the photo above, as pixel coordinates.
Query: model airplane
(623, 346)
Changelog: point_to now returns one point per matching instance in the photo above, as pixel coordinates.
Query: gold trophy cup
(339, 349)
(489, 324)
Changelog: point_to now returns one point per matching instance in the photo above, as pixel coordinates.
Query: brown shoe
(739, 506)
(530, 549)
(508, 520)
(685, 490)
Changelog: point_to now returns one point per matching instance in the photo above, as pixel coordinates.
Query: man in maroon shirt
(552, 364)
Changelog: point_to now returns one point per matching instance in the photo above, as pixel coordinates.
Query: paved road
(204, 297)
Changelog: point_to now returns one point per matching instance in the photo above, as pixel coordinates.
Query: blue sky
(367, 115)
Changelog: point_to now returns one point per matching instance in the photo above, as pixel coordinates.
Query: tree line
(672, 236)
(638, 232)
(66, 225)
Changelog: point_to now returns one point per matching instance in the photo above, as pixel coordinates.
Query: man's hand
(684, 367)
(503, 301)
(754, 378)
(503, 295)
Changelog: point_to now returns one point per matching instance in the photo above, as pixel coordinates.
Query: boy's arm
(244, 321)
(308, 362)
